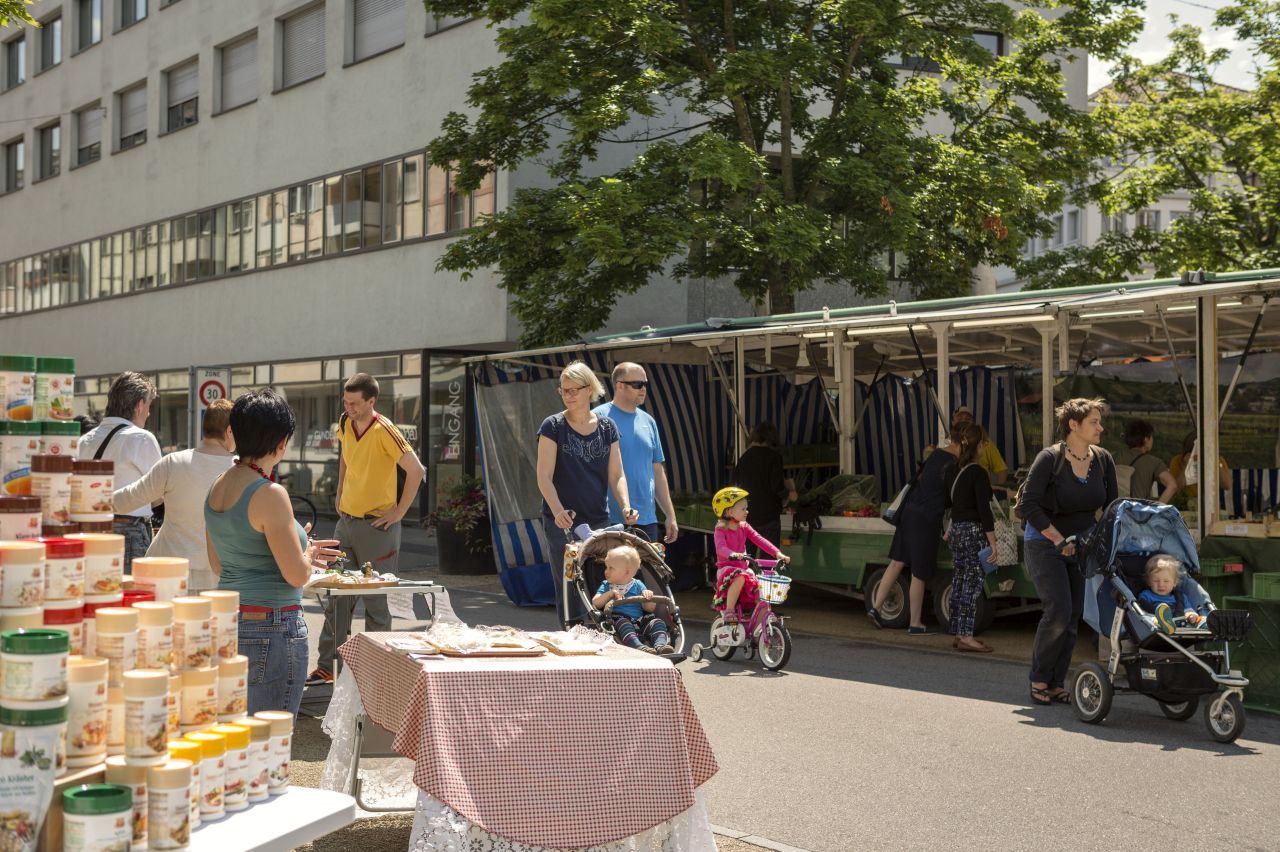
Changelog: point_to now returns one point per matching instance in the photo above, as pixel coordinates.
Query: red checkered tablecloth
(554, 751)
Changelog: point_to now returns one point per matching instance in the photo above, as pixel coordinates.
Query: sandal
(1040, 695)
(1059, 696)
(976, 648)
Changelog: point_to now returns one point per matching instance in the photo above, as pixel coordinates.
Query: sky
(1153, 45)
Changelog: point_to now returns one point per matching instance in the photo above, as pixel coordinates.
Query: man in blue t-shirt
(641, 448)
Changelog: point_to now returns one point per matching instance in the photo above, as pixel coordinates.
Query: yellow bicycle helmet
(726, 498)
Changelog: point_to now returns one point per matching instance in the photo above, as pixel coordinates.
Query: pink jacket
(730, 540)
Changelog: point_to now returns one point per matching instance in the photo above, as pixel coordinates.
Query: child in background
(737, 589)
(634, 623)
(1163, 598)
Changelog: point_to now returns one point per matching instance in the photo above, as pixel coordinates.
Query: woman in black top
(972, 527)
(916, 540)
(1067, 486)
(759, 473)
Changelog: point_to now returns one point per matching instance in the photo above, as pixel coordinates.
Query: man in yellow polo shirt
(369, 511)
(989, 459)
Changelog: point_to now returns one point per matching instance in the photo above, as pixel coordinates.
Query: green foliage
(16, 10)
(467, 508)
(775, 143)
(1170, 129)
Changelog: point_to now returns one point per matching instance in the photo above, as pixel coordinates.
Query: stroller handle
(608, 605)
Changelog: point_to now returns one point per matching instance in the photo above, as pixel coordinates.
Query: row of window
(1066, 228)
(381, 204)
(378, 26)
(86, 31)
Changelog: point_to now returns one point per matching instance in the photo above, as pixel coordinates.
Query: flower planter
(456, 556)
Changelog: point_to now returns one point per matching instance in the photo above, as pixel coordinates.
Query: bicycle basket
(1230, 625)
(774, 587)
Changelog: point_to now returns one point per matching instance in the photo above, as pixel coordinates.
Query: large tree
(1171, 129)
(15, 10)
(777, 143)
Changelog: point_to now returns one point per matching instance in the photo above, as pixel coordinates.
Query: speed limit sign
(211, 384)
(211, 391)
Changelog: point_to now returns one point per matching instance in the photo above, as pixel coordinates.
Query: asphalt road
(860, 746)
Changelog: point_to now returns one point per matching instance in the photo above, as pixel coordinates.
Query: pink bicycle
(764, 631)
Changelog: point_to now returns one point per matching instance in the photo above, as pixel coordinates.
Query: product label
(236, 787)
(96, 833)
(33, 677)
(60, 445)
(91, 496)
(146, 734)
(15, 462)
(168, 818)
(19, 526)
(192, 643)
(175, 713)
(121, 653)
(233, 696)
(164, 588)
(199, 705)
(55, 396)
(21, 585)
(226, 634)
(63, 579)
(28, 765)
(54, 491)
(115, 728)
(213, 772)
(87, 718)
(140, 811)
(279, 779)
(259, 769)
(103, 575)
(17, 395)
(194, 790)
(155, 646)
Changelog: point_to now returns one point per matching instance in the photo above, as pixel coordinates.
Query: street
(859, 746)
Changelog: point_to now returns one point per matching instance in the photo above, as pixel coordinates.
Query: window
(14, 164)
(378, 27)
(184, 83)
(15, 61)
(133, 117)
(1175, 215)
(1149, 219)
(413, 197)
(239, 73)
(1073, 226)
(459, 207)
(1057, 230)
(483, 200)
(264, 230)
(50, 43)
(279, 226)
(302, 46)
(435, 25)
(351, 188)
(132, 11)
(436, 186)
(1114, 223)
(333, 215)
(88, 23)
(88, 134)
(372, 206)
(297, 223)
(49, 144)
(993, 42)
(392, 202)
(315, 219)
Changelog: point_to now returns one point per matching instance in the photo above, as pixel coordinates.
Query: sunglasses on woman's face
(635, 385)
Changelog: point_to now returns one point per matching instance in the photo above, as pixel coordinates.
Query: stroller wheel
(1182, 710)
(1224, 717)
(695, 653)
(1091, 693)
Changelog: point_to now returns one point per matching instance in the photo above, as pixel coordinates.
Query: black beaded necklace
(269, 477)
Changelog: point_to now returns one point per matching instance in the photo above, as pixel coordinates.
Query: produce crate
(1219, 566)
(1264, 638)
(1263, 670)
(1222, 587)
(1266, 587)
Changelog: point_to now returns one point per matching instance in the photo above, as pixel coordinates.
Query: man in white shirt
(120, 438)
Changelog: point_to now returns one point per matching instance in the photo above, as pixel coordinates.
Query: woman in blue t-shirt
(578, 462)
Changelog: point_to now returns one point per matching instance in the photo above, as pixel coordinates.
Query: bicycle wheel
(775, 646)
(304, 511)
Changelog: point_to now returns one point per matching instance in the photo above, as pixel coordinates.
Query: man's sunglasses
(636, 385)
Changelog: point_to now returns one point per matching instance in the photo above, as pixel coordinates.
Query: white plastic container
(27, 618)
(169, 805)
(55, 389)
(116, 641)
(233, 688)
(33, 668)
(21, 574)
(281, 745)
(87, 711)
(259, 758)
(92, 486)
(193, 753)
(93, 603)
(51, 482)
(155, 634)
(58, 438)
(225, 623)
(17, 387)
(103, 563)
(19, 516)
(213, 773)
(235, 790)
(18, 443)
(199, 698)
(166, 577)
(63, 569)
(192, 632)
(115, 720)
(68, 616)
(175, 706)
(96, 818)
(133, 776)
(146, 716)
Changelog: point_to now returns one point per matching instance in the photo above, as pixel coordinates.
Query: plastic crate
(1220, 588)
(1266, 587)
(1265, 636)
(1263, 671)
(1221, 566)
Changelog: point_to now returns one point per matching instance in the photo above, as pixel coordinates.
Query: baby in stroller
(1163, 596)
(635, 624)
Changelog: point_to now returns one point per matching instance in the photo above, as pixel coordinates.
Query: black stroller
(1176, 668)
(584, 572)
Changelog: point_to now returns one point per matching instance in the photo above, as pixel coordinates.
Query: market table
(549, 751)
(298, 816)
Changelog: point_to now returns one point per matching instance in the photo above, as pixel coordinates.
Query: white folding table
(297, 816)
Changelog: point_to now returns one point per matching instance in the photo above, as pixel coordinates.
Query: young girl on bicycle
(737, 589)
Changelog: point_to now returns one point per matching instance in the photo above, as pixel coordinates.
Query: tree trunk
(780, 300)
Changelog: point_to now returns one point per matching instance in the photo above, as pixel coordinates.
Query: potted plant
(461, 522)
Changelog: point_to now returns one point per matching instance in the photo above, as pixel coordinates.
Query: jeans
(362, 542)
(137, 538)
(1061, 588)
(277, 650)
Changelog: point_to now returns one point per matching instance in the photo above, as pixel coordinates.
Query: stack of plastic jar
(55, 391)
(225, 623)
(18, 443)
(51, 482)
(166, 577)
(19, 516)
(17, 387)
(87, 711)
(92, 486)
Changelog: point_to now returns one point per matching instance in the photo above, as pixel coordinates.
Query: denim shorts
(277, 650)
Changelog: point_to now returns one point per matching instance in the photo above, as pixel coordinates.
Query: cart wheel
(894, 612)
(1181, 711)
(984, 609)
(1091, 693)
(695, 653)
(775, 646)
(1224, 717)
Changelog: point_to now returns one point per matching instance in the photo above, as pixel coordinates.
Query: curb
(754, 840)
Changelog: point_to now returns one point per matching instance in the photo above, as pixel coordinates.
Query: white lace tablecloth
(436, 826)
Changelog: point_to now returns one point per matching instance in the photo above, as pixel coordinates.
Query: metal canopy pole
(942, 333)
(1244, 356)
(1046, 385)
(848, 388)
(924, 373)
(1182, 382)
(740, 394)
(1207, 399)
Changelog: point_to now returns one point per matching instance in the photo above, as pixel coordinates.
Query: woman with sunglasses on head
(578, 464)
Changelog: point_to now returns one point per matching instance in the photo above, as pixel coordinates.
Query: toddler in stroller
(1174, 665)
(634, 623)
